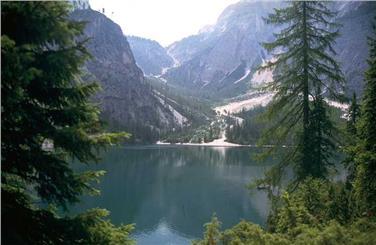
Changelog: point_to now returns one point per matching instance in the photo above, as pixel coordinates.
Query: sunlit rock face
(150, 56)
(80, 4)
(126, 99)
(351, 46)
(222, 54)
(219, 55)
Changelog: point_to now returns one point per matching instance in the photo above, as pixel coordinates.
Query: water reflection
(171, 191)
(163, 234)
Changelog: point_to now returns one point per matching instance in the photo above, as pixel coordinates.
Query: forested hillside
(47, 120)
(264, 121)
(310, 206)
(221, 59)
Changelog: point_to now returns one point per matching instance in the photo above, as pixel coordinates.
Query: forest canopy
(47, 121)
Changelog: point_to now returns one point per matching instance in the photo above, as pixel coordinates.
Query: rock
(150, 56)
(126, 100)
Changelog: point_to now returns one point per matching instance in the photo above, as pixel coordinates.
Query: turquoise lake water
(169, 192)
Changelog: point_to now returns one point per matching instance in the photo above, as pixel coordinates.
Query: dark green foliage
(314, 202)
(187, 103)
(350, 139)
(303, 69)
(353, 115)
(194, 134)
(141, 134)
(28, 224)
(244, 233)
(48, 120)
(211, 234)
(197, 111)
(365, 154)
(321, 142)
(249, 132)
(318, 212)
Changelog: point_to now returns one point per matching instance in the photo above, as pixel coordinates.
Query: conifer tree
(48, 120)
(353, 114)
(351, 137)
(365, 184)
(304, 71)
(320, 139)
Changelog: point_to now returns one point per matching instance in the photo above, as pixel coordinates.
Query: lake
(169, 192)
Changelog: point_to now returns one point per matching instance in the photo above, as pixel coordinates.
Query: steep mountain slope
(222, 59)
(126, 100)
(224, 53)
(352, 47)
(80, 4)
(218, 63)
(150, 56)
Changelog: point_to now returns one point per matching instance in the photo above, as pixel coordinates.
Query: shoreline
(212, 144)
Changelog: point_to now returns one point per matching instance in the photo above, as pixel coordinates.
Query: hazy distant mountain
(80, 4)
(222, 58)
(352, 47)
(126, 100)
(150, 56)
(222, 54)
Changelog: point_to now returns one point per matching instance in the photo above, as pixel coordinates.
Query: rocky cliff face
(150, 56)
(80, 4)
(232, 44)
(126, 100)
(222, 58)
(352, 47)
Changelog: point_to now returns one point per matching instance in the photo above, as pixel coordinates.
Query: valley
(195, 90)
(214, 73)
(258, 128)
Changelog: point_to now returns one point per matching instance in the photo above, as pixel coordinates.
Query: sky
(165, 21)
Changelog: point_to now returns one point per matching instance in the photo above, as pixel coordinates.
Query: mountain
(216, 64)
(80, 4)
(352, 48)
(220, 56)
(150, 56)
(221, 59)
(127, 101)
